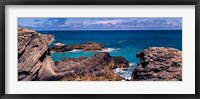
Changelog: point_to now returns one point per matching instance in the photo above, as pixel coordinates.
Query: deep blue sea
(126, 43)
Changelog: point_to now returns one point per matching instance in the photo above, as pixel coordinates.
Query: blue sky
(101, 23)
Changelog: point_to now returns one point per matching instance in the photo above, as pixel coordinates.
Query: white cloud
(109, 22)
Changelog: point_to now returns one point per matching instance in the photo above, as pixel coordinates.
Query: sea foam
(75, 50)
(125, 73)
(108, 50)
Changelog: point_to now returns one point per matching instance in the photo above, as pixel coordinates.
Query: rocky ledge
(88, 46)
(159, 64)
(95, 68)
(35, 63)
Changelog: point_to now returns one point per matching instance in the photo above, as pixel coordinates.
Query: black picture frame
(99, 2)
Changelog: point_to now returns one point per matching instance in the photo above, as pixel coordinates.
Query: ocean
(126, 43)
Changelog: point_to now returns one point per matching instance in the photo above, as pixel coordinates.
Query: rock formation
(159, 64)
(35, 63)
(95, 68)
(88, 46)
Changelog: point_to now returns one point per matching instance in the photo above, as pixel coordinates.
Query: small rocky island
(35, 63)
(88, 46)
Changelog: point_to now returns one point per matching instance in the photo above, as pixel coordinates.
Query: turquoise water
(119, 43)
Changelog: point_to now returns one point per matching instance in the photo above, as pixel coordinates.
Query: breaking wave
(76, 50)
(108, 50)
(125, 73)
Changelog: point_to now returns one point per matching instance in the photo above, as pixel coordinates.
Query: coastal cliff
(34, 61)
(159, 64)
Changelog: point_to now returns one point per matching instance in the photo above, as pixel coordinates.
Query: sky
(101, 23)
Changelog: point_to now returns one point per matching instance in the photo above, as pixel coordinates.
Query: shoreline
(38, 65)
(125, 73)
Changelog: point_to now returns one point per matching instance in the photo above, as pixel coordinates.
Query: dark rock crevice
(20, 54)
(43, 56)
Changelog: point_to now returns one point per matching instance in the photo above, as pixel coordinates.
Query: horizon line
(112, 30)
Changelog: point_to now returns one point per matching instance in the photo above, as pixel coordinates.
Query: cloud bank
(101, 23)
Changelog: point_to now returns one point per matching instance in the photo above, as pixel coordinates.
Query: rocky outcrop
(159, 64)
(95, 68)
(88, 46)
(34, 61)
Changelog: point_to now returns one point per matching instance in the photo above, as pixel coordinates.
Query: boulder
(159, 64)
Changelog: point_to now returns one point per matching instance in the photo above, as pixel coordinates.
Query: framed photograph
(100, 49)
